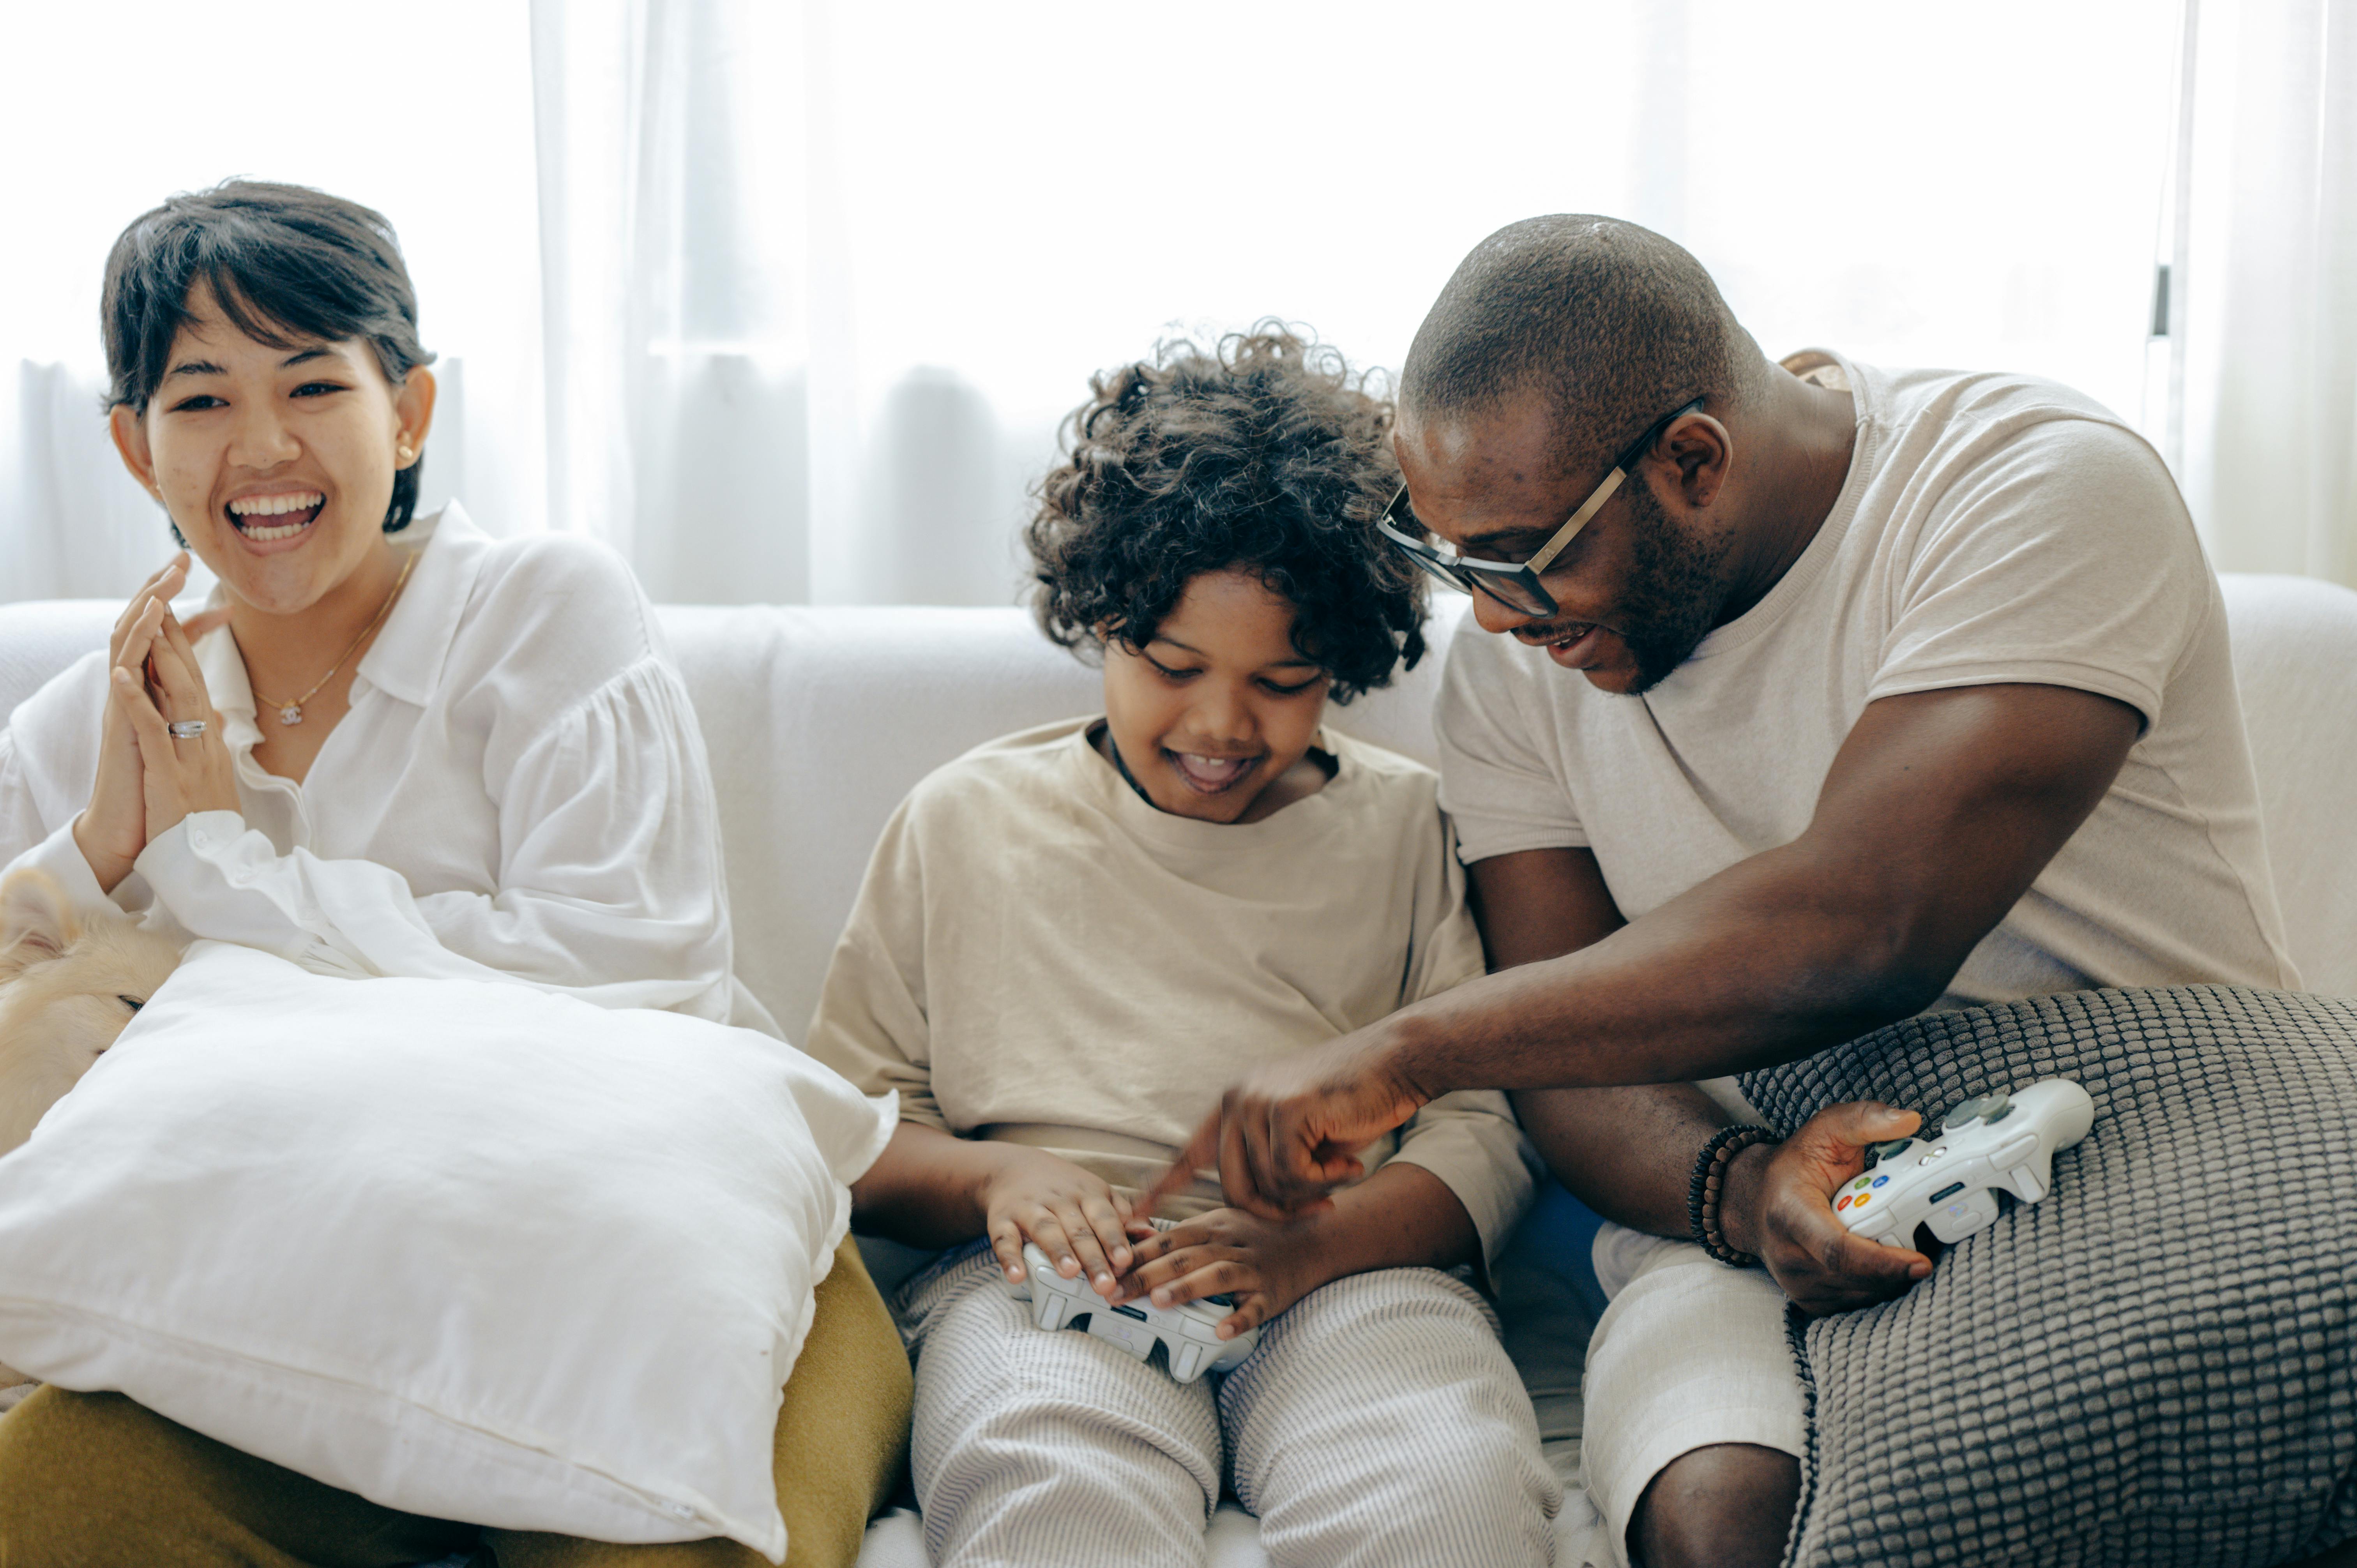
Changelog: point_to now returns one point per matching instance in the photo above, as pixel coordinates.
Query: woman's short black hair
(1263, 452)
(283, 262)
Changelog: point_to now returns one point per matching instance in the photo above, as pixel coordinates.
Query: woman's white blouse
(519, 791)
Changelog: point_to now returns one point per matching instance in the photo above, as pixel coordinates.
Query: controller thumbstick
(1983, 1108)
(1878, 1153)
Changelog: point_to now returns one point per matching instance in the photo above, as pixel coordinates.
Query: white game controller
(1990, 1142)
(1190, 1332)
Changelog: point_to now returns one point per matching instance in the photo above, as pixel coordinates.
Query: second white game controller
(1188, 1333)
(1989, 1143)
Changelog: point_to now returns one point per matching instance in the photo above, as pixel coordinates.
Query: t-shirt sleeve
(1468, 1139)
(2066, 558)
(1496, 782)
(1448, 944)
(871, 1023)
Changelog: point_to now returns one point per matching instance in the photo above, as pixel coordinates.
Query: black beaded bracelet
(1703, 1189)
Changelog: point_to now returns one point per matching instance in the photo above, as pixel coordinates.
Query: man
(1812, 700)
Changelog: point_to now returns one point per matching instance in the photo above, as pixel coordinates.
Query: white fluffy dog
(67, 990)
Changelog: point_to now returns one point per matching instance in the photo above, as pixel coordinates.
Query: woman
(508, 776)
(391, 746)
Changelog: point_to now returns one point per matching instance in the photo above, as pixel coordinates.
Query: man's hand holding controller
(1778, 1206)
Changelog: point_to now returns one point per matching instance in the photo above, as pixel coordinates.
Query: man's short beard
(1675, 587)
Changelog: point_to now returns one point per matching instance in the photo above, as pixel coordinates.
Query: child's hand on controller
(1082, 1223)
(1264, 1267)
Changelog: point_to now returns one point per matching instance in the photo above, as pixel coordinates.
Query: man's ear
(1702, 451)
(130, 432)
(36, 921)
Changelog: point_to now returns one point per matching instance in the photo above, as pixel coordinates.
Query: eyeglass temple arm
(1578, 521)
(1621, 467)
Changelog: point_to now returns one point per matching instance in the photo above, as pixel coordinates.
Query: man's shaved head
(1559, 341)
(1614, 323)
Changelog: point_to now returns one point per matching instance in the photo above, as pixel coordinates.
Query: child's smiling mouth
(1209, 775)
(270, 519)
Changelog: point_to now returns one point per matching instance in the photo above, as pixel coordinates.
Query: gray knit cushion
(2153, 1365)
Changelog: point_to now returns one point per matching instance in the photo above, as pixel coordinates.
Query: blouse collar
(225, 684)
(406, 659)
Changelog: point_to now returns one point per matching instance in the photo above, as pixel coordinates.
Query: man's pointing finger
(1201, 1150)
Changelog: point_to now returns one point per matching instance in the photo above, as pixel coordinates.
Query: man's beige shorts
(1690, 1353)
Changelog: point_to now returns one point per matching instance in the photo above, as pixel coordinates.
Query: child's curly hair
(1266, 454)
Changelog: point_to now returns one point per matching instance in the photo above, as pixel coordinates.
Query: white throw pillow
(470, 1250)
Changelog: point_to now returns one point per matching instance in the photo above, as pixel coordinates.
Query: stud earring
(404, 454)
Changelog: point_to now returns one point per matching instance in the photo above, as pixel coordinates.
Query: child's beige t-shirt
(1040, 956)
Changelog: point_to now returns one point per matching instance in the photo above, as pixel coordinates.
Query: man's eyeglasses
(1516, 583)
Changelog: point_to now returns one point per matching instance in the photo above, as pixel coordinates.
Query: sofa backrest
(819, 719)
(2296, 666)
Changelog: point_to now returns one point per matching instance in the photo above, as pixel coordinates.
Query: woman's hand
(1264, 1266)
(177, 776)
(112, 830)
(1778, 1204)
(1077, 1219)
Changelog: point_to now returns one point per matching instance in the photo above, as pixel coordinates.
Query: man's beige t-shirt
(1038, 955)
(1992, 529)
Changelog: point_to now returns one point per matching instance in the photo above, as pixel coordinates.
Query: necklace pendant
(292, 713)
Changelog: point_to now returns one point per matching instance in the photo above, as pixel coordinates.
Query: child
(1070, 936)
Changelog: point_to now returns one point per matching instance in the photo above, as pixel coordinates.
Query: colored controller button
(1880, 1179)
(1863, 1199)
(1844, 1203)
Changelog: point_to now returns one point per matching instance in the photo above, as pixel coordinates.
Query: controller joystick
(1987, 1109)
(1988, 1143)
(1188, 1333)
(1878, 1153)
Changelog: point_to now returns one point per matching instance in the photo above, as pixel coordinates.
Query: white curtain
(668, 142)
(2262, 313)
(784, 298)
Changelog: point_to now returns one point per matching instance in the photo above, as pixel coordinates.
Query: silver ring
(185, 729)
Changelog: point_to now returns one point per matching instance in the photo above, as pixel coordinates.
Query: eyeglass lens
(1508, 591)
(1512, 593)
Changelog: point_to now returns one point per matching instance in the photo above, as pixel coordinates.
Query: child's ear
(36, 921)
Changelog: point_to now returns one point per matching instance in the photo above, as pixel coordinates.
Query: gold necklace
(292, 713)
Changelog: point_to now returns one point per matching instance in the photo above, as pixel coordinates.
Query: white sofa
(819, 719)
